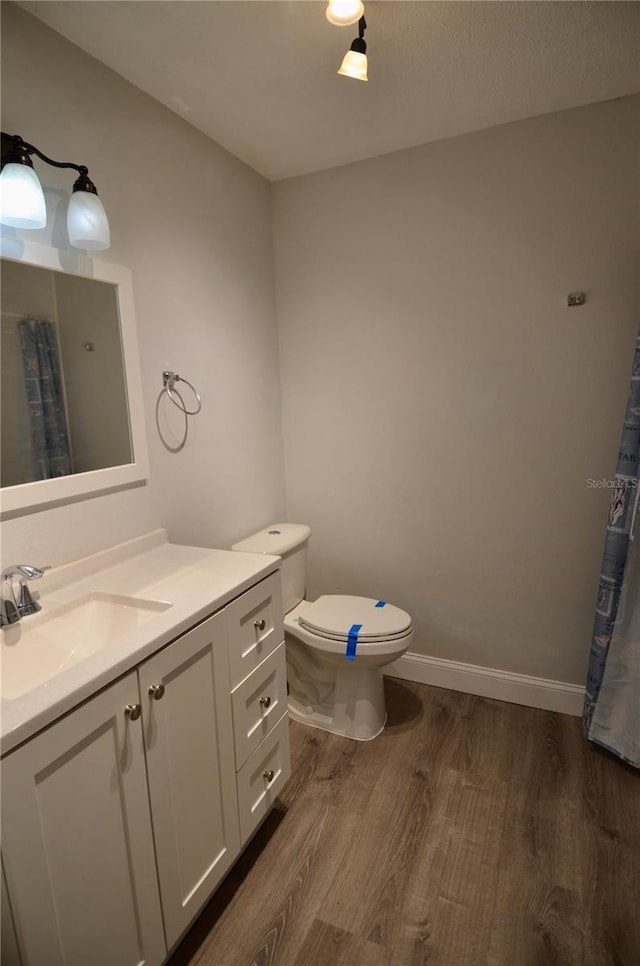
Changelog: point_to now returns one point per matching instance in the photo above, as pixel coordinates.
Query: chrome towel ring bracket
(169, 379)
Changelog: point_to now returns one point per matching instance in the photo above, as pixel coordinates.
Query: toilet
(336, 646)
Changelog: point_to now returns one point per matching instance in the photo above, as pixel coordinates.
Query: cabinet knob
(259, 625)
(133, 711)
(268, 775)
(156, 691)
(266, 701)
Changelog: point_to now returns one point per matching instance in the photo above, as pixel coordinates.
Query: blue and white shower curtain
(45, 400)
(612, 705)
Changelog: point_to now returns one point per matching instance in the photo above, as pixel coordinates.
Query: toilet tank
(289, 541)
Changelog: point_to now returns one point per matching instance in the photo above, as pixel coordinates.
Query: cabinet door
(190, 762)
(77, 845)
(8, 940)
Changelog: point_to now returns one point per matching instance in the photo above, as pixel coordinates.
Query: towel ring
(169, 379)
(167, 445)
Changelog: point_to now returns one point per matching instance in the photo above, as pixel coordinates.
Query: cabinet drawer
(254, 624)
(256, 791)
(258, 704)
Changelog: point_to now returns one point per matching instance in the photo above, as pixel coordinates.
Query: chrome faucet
(12, 610)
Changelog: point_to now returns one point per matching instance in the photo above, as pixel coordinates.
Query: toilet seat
(332, 617)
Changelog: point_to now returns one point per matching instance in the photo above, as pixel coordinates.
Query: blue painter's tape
(381, 603)
(352, 640)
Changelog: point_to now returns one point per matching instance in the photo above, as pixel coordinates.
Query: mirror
(71, 413)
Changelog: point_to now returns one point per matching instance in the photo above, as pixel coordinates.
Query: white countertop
(195, 581)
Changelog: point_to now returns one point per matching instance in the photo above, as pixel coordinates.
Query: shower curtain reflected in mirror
(612, 705)
(45, 399)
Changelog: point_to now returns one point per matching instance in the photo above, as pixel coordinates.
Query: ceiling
(260, 77)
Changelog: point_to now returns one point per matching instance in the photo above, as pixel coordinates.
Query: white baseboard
(489, 683)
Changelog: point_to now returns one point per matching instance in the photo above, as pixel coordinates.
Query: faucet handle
(33, 573)
(26, 603)
(23, 570)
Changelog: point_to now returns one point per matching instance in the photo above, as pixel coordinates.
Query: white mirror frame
(26, 496)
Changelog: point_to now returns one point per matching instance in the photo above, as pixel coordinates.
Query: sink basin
(41, 647)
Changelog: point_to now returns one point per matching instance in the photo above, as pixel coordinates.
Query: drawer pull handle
(259, 625)
(133, 711)
(156, 691)
(266, 701)
(268, 775)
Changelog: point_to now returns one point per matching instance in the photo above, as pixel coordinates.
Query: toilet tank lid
(277, 539)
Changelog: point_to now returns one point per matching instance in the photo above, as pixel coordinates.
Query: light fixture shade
(354, 65)
(343, 12)
(87, 223)
(21, 197)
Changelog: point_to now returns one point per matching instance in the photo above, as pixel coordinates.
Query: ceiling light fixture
(344, 12)
(22, 203)
(355, 59)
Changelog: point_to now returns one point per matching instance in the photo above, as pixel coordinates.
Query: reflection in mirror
(64, 400)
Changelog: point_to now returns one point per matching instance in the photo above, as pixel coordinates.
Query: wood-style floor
(470, 833)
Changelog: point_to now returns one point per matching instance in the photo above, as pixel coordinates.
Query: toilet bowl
(336, 646)
(330, 689)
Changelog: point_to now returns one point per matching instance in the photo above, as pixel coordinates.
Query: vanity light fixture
(344, 12)
(355, 59)
(22, 202)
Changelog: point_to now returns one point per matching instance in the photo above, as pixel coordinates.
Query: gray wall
(442, 408)
(194, 226)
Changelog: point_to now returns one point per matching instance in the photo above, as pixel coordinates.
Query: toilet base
(346, 701)
(325, 723)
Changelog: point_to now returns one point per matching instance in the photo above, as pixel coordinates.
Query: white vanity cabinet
(77, 844)
(120, 819)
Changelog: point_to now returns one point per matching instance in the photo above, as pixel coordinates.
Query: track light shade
(344, 12)
(354, 65)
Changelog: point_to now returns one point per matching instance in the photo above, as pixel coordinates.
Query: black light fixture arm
(19, 151)
(359, 45)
